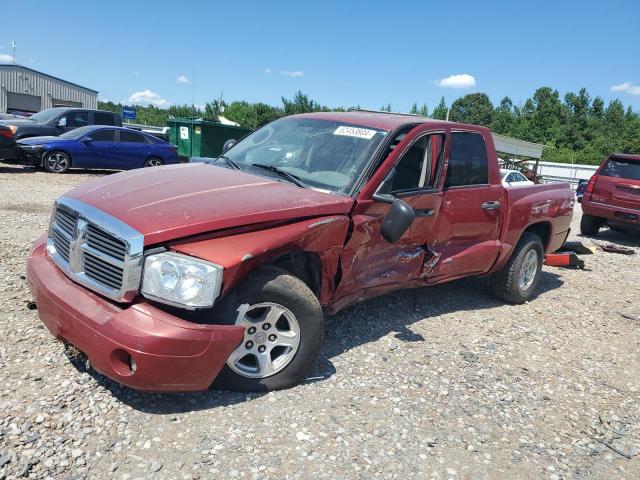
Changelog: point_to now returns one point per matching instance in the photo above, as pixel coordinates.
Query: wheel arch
(309, 249)
(542, 229)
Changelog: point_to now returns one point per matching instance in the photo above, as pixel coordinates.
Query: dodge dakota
(180, 277)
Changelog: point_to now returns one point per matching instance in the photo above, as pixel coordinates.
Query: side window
(512, 177)
(468, 160)
(518, 177)
(418, 166)
(131, 137)
(103, 118)
(77, 119)
(104, 136)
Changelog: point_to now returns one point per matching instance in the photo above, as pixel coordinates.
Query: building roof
(46, 75)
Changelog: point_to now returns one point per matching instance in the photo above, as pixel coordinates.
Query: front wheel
(284, 332)
(56, 162)
(153, 162)
(519, 278)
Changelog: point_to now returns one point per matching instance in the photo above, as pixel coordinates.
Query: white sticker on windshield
(355, 132)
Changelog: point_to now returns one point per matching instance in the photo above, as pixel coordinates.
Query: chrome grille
(103, 242)
(95, 249)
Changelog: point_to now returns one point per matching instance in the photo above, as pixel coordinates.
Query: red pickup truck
(172, 277)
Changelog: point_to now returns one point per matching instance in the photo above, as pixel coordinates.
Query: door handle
(493, 205)
(425, 212)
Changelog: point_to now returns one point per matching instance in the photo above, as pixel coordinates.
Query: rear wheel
(153, 162)
(519, 278)
(590, 225)
(56, 162)
(284, 332)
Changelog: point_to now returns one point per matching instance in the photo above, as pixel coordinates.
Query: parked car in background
(96, 147)
(224, 270)
(513, 178)
(54, 122)
(7, 143)
(612, 196)
(582, 186)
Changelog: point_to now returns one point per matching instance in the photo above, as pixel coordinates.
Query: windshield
(45, 115)
(324, 154)
(78, 132)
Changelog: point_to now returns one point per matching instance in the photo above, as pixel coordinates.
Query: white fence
(564, 172)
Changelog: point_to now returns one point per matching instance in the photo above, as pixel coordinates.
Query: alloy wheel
(271, 340)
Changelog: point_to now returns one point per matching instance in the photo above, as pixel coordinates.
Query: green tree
(474, 108)
(440, 112)
(243, 113)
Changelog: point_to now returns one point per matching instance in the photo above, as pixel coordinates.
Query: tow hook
(32, 305)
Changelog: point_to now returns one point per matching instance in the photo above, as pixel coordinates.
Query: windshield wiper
(284, 174)
(229, 162)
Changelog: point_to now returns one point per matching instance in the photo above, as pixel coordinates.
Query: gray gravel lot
(445, 382)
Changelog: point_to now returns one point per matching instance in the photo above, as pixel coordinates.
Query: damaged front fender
(241, 253)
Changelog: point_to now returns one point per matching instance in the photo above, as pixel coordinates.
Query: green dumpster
(201, 138)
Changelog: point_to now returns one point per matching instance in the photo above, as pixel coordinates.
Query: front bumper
(29, 156)
(169, 354)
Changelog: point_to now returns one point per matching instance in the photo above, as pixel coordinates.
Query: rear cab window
(468, 163)
(103, 118)
(621, 168)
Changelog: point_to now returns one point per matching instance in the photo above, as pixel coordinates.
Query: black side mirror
(397, 221)
(228, 144)
(401, 215)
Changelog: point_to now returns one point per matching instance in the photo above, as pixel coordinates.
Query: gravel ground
(445, 382)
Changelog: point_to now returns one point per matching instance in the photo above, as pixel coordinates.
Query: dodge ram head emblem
(76, 263)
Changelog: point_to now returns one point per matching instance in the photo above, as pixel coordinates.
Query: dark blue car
(97, 146)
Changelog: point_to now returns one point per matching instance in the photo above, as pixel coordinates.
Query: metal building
(23, 89)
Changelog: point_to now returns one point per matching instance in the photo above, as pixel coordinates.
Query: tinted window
(416, 169)
(104, 136)
(468, 160)
(133, 137)
(512, 177)
(77, 119)
(518, 177)
(617, 167)
(103, 118)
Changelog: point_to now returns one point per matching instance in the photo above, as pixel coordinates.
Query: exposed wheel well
(304, 265)
(543, 230)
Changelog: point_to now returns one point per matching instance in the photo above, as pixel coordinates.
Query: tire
(589, 225)
(153, 162)
(271, 291)
(513, 284)
(56, 162)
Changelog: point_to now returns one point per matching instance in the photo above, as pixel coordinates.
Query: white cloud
(147, 97)
(4, 58)
(182, 79)
(623, 87)
(463, 80)
(295, 73)
(267, 71)
(136, 74)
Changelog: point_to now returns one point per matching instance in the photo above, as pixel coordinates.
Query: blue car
(96, 146)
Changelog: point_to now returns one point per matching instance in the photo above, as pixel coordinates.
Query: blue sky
(346, 53)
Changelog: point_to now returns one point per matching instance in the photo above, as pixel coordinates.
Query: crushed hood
(170, 202)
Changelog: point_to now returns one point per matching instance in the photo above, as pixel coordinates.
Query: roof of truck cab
(380, 120)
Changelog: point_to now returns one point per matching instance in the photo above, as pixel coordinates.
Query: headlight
(181, 281)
